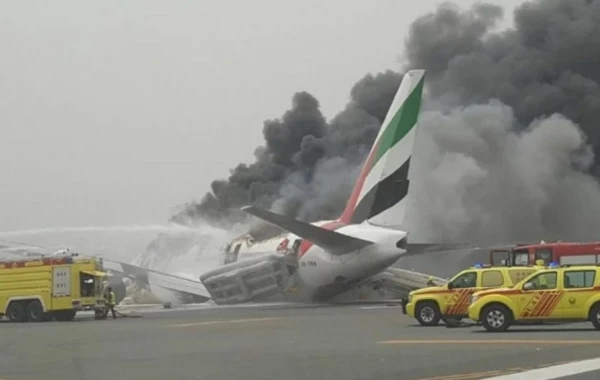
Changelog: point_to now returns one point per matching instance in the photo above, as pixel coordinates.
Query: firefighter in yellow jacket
(110, 301)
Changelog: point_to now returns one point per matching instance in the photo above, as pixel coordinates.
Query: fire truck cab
(559, 252)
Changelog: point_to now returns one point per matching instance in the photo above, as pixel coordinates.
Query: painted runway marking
(490, 341)
(485, 375)
(222, 322)
(378, 307)
(465, 376)
(555, 371)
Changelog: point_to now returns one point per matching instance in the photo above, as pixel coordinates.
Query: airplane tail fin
(380, 193)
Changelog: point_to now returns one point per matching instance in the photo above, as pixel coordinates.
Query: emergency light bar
(35, 262)
(579, 265)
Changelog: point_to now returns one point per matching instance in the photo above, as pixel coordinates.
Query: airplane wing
(332, 241)
(402, 280)
(427, 262)
(164, 280)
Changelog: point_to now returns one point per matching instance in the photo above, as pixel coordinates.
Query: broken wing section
(185, 288)
(249, 280)
(429, 263)
(400, 282)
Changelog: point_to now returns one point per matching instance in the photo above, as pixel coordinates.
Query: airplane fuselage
(319, 274)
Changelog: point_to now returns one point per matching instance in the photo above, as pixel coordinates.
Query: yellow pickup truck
(451, 301)
(558, 294)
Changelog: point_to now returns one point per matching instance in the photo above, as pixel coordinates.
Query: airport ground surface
(343, 342)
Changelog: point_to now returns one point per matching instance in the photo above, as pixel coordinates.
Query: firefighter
(540, 263)
(110, 301)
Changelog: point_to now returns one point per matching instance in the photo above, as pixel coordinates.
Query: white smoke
(475, 179)
(184, 249)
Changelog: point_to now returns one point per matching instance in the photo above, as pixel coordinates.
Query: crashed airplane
(319, 261)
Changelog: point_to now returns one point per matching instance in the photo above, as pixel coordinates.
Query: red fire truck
(558, 252)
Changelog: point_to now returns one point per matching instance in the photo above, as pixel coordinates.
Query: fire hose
(127, 315)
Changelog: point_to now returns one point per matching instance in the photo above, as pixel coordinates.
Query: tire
(595, 315)
(64, 315)
(428, 313)
(496, 318)
(16, 312)
(35, 311)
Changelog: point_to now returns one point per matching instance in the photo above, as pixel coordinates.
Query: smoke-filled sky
(509, 141)
(515, 154)
(114, 113)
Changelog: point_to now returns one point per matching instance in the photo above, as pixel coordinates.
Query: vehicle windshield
(499, 257)
(524, 280)
(520, 257)
(464, 280)
(88, 285)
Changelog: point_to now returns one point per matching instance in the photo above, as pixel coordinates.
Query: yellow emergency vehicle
(451, 300)
(49, 288)
(558, 294)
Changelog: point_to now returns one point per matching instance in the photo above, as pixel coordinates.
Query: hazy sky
(117, 112)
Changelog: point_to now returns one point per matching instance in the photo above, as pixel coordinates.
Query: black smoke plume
(307, 165)
(508, 144)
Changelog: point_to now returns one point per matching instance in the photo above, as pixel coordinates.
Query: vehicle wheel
(35, 311)
(496, 318)
(595, 316)
(72, 314)
(428, 313)
(16, 312)
(65, 315)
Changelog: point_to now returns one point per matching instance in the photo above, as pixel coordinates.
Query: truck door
(491, 279)
(461, 289)
(537, 296)
(61, 287)
(579, 287)
(61, 281)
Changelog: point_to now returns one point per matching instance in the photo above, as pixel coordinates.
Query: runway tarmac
(343, 342)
